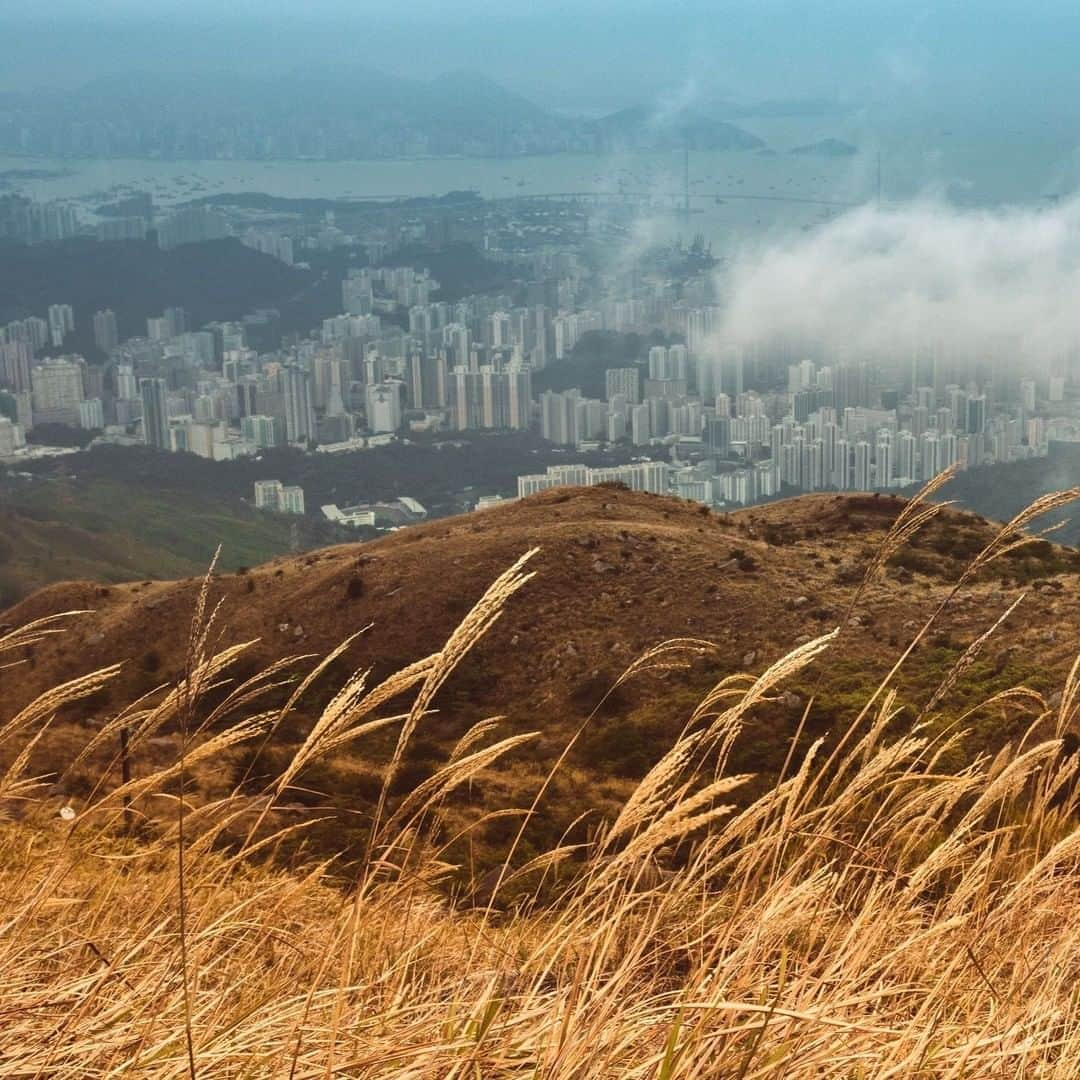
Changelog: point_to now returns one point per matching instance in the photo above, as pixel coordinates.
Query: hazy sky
(589, 54)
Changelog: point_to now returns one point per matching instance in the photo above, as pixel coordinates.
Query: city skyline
(728, 423)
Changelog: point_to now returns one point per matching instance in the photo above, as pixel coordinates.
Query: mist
(875, 284)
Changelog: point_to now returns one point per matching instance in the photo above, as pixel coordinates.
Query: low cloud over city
(876, 282)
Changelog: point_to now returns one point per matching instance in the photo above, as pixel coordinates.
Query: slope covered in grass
(874, 911)
(108, 532)
(616, 573)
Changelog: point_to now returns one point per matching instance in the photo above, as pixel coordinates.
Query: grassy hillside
(616, 573)
(60, 529)
(891, 904)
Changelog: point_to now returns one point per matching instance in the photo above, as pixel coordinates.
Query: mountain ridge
(338, 114)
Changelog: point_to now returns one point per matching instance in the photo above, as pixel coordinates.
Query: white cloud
(879, 283)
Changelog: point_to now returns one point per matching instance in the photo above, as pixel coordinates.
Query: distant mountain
(783, 108)
(643, 128)
(324, 95)
(321, 114)
(328, 113)
(469, 95)
(831, 148)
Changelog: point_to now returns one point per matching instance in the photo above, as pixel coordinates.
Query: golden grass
(873, 915)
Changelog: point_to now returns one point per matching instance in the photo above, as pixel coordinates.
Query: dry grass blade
(47, 704)
(970, 655)
(29, 634)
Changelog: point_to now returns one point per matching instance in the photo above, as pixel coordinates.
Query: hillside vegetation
(215, 279)
(616, 573)
(892, 903)
(104, 531)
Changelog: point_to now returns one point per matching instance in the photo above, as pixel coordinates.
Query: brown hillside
(617, 572)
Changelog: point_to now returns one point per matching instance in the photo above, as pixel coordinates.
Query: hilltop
(616, 574)
(830, 148)
(643, 127)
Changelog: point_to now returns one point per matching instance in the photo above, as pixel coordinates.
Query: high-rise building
(558, 417)
(885, 461)
(125, 385)
(640, 432)
(679, 362)
(262, 431)
(292, 499)
(616, 425)
(57, 388)
(852, 386)
(106, 335)
(356, 293)
(500, 330)
(976, 415)
(155, 418)
(12, 437)
(121, 228)
(928, 455)
(91, 414)
(191, 225)
(467, 398)
(863, 477)
(519, 397)
(279, 498)
(427, 380)
(299, 412)
(269, 242)
(842, 467)
(906, 469)
(383, 402)
(61, 323)
(32, 331)
(495, 399)
(157, 328)
(176, 319)
(948, 451)
(625, 381)
(457, 344)
(718, 435)
(660, 366)
(16, 358)
(733, 370)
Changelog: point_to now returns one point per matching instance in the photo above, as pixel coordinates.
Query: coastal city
(590, 355)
